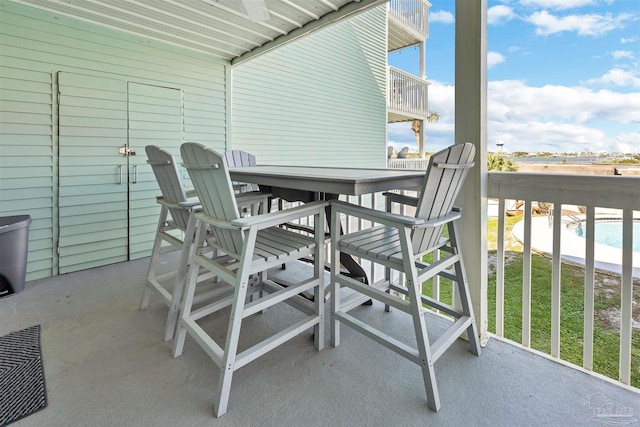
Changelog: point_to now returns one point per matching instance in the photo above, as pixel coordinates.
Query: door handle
(120, 174)
(135, 173)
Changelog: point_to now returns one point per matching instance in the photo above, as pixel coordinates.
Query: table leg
(354, 269)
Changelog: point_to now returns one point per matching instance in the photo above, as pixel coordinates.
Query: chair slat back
(239, 158)
(445, 175)
(210, 178)
(167, 175)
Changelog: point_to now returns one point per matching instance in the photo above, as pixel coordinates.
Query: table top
(349, 181)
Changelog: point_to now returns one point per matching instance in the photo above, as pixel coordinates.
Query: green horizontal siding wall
(27, 158)
(318, 101)
(35, 46)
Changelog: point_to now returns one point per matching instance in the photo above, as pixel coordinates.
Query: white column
(471, 125)
(423, 135)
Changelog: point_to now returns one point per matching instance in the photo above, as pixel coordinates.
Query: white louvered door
(107, 209)
(155, 118)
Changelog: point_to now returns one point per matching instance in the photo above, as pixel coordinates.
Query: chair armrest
(402, 199)
(386, 218)
(202, 216)
(251, 197)
(189, 204)
(182, 205)
(280, 217)
(391, 219)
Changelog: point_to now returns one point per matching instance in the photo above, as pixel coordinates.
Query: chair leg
(318, 274)
(227, 365)
(335, 286)
(153, 260)
(414, 288)
(387, 277)
(424, 347)
(178, 287)
(463, 292)
(188, 293)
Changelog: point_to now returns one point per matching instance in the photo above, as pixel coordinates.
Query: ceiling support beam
(346, 11)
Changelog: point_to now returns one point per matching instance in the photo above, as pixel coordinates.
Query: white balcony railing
(407, 94)
(620, 196)
(411, 163)
(412, 13)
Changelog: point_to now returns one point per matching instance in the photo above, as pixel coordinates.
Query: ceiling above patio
(234, 30)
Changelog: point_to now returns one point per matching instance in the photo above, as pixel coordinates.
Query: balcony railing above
(408, 23)
(412, 163)
(407, 97)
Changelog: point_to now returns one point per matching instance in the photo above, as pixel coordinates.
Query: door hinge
(58, 248)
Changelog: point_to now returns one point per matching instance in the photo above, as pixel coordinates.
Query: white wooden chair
(399, 243)
(239, 158)
(402, 154)
(175, 228)
(257, 244)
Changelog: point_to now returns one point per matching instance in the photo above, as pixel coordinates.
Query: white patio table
(307, 183)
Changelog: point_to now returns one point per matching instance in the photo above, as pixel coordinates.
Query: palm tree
(496, 162)
(415, 126)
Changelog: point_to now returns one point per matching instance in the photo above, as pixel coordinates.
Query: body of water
(610, 233)
(557, 159)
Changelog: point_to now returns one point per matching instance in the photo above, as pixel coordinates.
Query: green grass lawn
(607, 306)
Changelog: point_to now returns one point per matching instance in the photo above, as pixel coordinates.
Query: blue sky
(564, 76)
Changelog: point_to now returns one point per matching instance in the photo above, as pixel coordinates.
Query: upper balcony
(408, 23)
(407, 97)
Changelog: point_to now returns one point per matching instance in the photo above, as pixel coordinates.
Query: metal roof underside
(233, 30)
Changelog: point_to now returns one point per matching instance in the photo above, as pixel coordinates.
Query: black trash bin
(14, 243)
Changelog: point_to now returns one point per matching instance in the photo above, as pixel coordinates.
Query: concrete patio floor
(106, 365)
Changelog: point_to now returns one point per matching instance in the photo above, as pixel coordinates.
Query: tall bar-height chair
(399, 243)
(257, 244)
(175, 228)
(239, 158)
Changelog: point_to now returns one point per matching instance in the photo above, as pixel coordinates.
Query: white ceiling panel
(234, 30)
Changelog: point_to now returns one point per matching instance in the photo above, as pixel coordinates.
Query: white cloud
(553, 102)
(618, 77)
(584, 25)
(494, 58)
(499, 14)
(617, 54)
(629, 40)
(556, 4)
(548, 118)
(441, 16)
(558, 118)
(628, 142)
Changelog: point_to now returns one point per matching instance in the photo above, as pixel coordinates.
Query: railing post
(589, 289)
(626, 297)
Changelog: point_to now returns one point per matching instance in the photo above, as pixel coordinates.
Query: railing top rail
(393, 70)
(415, 12)
(621, 192)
